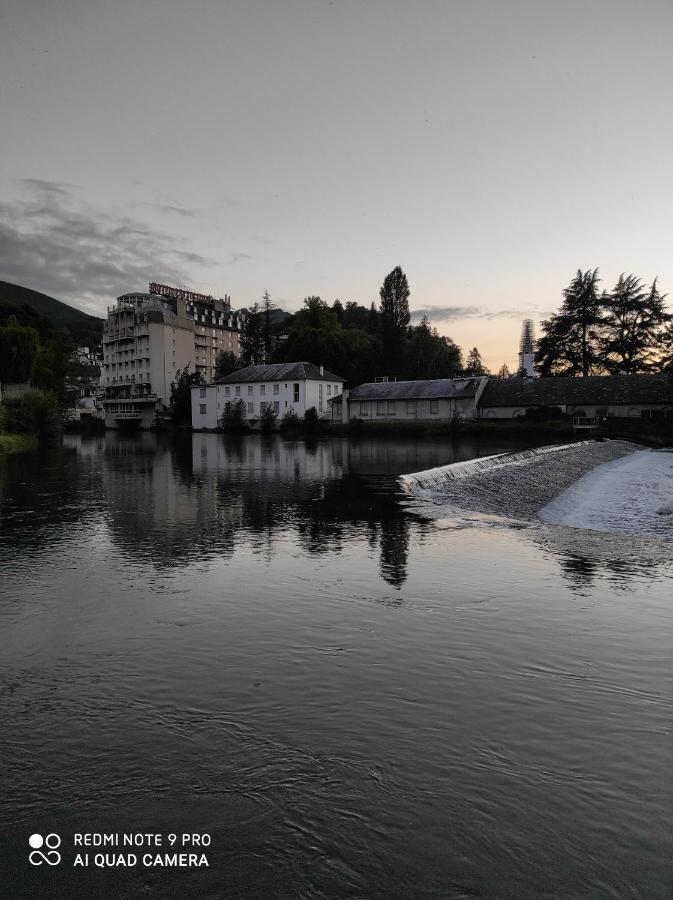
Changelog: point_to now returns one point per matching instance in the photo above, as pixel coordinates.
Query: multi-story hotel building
(148, 337)
(145, 342)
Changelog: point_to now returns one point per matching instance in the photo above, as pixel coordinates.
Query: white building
(295, 386)
(433, 400)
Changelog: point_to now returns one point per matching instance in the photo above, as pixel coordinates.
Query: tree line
(625, 331)
(357, 342)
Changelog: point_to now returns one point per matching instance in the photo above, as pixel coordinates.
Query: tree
(266, 326)
(634, 320)
(429, 355)
(665, 348)
(19, 346)
(474, 365)
(181, 395)
(226, 363)
(252, 338)
(233, 418)
(267, 419)
(395, 318)
(316, 336)
(503, 372)
(569, 342)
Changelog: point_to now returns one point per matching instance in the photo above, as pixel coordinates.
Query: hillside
(46, 313)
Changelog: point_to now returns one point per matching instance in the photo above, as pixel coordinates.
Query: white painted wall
(209, 401)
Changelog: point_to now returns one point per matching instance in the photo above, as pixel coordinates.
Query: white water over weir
(511, 485)
(434, 478)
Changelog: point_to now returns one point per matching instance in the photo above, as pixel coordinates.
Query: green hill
(48, 314)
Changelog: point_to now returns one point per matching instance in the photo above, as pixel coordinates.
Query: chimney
(322, 371)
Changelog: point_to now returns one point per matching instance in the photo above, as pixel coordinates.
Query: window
(411, 407)
(296, 393)
(251, 407)
(329, 390)
(434, 407)
(380, 407)
(227, 391)
(249, 390)
(364, 408)
(276, 388)
(262, 389)
(276, 406)
(320, 397)
(202, 392)
(237, 390)
(202, 408)
(391, 407)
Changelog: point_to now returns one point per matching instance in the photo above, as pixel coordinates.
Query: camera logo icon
(51, 856)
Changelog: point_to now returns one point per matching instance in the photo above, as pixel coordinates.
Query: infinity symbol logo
(52, 857)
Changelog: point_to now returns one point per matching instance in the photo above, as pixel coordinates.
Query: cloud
(52, 241)
(452, 313)
(238, 257)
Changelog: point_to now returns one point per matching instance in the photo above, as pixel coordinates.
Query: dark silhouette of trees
(226, 363)
(19, 348)
(570, 340)
(474, 364)
(252, 338)
(395, 318)
(621, 332)
(634, 319)
(504, 372)
(181, 395)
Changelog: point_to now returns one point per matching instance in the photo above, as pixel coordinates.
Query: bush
(267, 420)
(35, 413)
(290, 421)
(311, 420)
(233, 419)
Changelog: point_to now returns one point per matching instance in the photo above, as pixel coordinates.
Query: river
(264, 642)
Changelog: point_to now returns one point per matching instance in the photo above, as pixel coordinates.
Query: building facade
(296, 386)
(596, 396)
(435, 400)
(145, 342)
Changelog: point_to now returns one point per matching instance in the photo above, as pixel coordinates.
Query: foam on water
(632, 495)
(610, 486)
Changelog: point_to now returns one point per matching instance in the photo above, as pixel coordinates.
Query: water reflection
(171, 501)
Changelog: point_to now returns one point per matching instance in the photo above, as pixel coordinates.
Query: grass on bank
(17, 443)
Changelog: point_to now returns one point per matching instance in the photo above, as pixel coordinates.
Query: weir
(435, 478)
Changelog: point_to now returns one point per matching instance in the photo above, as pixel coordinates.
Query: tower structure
(527, 349)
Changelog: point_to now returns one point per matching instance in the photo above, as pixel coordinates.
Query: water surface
(262, 640)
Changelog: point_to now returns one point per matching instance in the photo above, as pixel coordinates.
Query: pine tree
(634, 320)
(569, 342)
(266, 326)
(474, 365)
(503, 372)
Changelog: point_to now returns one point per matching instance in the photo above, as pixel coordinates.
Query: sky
(308, 147)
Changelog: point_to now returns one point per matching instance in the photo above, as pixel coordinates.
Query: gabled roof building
(626, 396)
(295, 386)
(432, 400)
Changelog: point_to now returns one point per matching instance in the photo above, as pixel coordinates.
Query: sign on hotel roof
(165, 290)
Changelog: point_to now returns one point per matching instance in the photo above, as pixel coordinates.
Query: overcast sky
(308, 147)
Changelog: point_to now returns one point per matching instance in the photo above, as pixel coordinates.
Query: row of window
(250, 407)
(250, 390)
(391, 408)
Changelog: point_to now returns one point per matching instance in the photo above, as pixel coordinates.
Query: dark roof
(599, 390)
(294, 371)
(433, 389)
